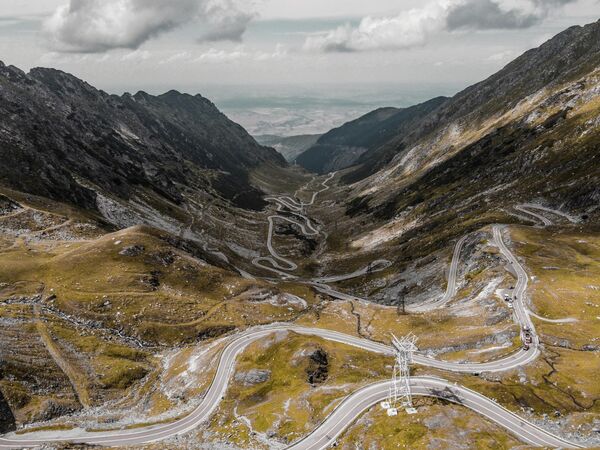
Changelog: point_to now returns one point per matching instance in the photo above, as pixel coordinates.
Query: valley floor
(126, 331)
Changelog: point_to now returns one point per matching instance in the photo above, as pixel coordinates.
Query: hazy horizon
(284, 66)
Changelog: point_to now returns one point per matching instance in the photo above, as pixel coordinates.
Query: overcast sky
(186, 44)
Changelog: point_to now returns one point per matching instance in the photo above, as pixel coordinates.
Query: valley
(361, 400)
(168, 282)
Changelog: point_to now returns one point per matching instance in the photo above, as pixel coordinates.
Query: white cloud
(180, 56)
(225, 20)
(407, 29)
(136, 55)
(214, 55)
(504, 55)
(223, 56)
(93, 26)
(415, 26)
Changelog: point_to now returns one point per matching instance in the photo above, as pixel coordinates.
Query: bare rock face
(318, 367)
(8, 206)
(53, 408)
(132, 251)
(7, 419)
(252, 377)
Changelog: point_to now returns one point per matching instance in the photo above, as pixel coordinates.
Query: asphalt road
(279, 264)
(530, 209)
(361, 400)
(451, 285)
(519, 307)
(356, 403)
(542, 219)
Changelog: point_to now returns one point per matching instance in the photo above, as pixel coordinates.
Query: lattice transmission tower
(400, 394)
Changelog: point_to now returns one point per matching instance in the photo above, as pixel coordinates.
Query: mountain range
(133, 227)
(61, 134)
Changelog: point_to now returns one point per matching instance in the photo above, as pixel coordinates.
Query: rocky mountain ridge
(56, 129)
(413, 139)
(487, 105)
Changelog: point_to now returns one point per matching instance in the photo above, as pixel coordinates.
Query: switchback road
(363, 399)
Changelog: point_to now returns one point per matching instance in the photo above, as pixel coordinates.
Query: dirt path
(77, 379)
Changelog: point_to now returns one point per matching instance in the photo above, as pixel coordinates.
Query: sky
(261, 59)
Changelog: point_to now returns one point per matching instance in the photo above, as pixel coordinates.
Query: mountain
(343, 146)
(481, 108)
(289, 146)
(127, 224)
(436, 129)
(132, 238)
(528, 134)
(59, 136)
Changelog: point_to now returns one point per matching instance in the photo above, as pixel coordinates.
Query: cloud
(222, 56)
(225, 21)
(500, 14)
(137, 55)
(407, 29)
(180, 56)
(94, 26)
(501, 56)
(415, 27)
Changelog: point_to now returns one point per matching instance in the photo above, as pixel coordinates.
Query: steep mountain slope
(489, 104)
(343, 146)
(289, 146)
(536, 139)
(57, 131)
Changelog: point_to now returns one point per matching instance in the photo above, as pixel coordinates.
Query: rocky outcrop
(7, 419)
(252, 377)
(317, 370)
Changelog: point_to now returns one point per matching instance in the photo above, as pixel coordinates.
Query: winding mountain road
(363, 399)
(279, 264)
(357, 403)
(530, 209)
(451, 287)
(343, 416)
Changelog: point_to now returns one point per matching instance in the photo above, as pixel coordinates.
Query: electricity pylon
(400, 393)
